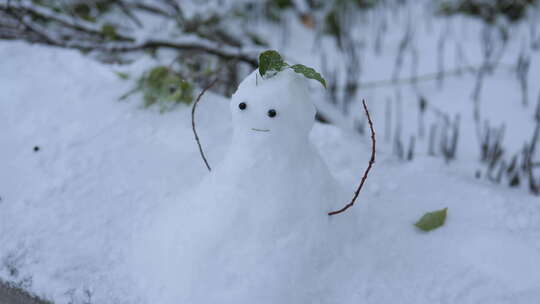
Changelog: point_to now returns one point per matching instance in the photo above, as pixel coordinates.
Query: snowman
(257, 229)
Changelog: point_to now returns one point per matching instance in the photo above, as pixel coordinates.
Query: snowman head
(273, 109)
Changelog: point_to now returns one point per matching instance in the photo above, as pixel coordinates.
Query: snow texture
(117, 207)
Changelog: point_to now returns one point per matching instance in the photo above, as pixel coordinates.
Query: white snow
(256, 230)
(72, 213)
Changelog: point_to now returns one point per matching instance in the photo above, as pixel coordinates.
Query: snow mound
(256, 230)
(108, 173)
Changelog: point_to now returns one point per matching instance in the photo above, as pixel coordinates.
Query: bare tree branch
(127, 11)
(19, 11)
(150, 9)
(193, 122)
(428, 76)
(93, 39)
(370, 164)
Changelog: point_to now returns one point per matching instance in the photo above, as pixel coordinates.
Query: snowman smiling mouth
(260, 130)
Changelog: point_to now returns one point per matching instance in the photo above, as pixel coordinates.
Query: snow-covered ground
(68, 210)
(101, 164)
(81, 173)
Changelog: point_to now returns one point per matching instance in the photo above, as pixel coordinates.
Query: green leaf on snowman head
(270, 62)
(309, 73)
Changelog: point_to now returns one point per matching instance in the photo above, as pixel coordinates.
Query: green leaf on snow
(109, 31)
(432, 220)
(122, 75)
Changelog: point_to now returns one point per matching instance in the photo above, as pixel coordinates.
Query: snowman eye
(242, 106)
(272, 113)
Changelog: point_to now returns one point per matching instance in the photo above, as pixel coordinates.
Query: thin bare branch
(195, 46)
(150, 9)
(370, 164)
(193, 122)
(427, 77)
(127, 11)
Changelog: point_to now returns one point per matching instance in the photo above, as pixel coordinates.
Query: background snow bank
(67, 211)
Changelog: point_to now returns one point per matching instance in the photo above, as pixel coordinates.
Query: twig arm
(370, 164)
(193, 122)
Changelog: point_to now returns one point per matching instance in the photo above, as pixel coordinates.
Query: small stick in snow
(371, 162)
(193, 122)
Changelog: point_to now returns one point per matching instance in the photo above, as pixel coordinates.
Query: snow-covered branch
(24, 21)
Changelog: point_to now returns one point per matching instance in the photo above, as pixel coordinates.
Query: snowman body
(256, 230)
